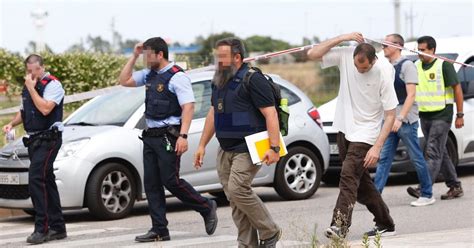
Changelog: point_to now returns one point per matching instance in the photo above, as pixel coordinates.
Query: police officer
(41, 114)
(235, 113)
(169, 109)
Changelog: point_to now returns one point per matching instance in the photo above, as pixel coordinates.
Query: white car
(460, 142)
(99, 165)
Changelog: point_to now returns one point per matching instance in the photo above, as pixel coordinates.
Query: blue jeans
(408, 134)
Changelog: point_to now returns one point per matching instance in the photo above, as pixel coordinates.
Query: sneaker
(271, 242)
(210, 221)
(415, 192)
(453, 192)
(423, 201)
(334, 232)
(384, 232)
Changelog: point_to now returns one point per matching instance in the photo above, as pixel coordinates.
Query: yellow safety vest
(431, 93)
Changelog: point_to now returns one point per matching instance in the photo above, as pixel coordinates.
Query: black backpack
(282, 115)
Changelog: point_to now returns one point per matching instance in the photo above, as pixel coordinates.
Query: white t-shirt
(363, 97)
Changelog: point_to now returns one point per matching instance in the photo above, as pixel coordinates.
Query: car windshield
(113, 108)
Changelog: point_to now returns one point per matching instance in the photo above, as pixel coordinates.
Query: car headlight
(70, 148)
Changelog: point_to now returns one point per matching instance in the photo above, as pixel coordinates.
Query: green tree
(207, 45)
(259, 43)
(99, 45)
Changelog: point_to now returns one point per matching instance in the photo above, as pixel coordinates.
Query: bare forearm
(458, 97)
(16, 120)
(407, 105)
(317, 52)
(127, 71)
(387, 126)
(187, 116)
(208, 131)
(273, 129)
(40, 103)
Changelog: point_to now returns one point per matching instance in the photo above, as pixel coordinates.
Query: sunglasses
(385, 46)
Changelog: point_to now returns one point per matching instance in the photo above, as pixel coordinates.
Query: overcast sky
(183, 20)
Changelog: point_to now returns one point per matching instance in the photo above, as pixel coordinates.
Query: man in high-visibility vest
(438, 88)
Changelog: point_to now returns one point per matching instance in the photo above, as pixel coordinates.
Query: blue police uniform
(166, 91)
(43, 145)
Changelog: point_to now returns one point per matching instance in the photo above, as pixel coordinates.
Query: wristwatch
(183, 135)
(460, 115)
(275, 148)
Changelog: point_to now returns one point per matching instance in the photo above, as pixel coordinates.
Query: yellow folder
(259, 143)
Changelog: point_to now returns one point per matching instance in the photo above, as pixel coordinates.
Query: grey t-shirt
(408, 74)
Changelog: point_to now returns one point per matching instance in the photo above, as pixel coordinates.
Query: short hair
(236, 45)
(398, 38)
(157, 44)
(34, 58)
(430, 42)
(367, 50)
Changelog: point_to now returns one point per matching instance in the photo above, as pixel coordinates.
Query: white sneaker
(423, 201)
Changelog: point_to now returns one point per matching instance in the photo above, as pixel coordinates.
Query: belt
(48, 135)
(161, 131)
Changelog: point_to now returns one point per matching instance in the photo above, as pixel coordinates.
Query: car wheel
(111, 192)
(452, 151)
(31, 212)
(298, 174)
(218, 194)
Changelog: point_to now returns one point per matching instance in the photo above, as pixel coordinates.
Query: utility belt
(48, 135)
(161, 131)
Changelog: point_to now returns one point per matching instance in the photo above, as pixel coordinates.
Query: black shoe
(151, 236)
(210, 221)
(415, 192)
(384, 232)
(56, 235)
(271, 242)
(37, 238)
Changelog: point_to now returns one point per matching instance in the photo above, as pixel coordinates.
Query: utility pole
(396, 5)
(410, 17)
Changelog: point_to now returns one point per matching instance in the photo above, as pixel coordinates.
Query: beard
(223, 75)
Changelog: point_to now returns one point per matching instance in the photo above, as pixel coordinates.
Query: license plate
(333, 149)
(9, 178)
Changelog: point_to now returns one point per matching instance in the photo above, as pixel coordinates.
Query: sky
(183, 20)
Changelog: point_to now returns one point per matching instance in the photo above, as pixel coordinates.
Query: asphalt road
(301, 220)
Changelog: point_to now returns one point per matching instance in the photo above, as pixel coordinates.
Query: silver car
(99, 165)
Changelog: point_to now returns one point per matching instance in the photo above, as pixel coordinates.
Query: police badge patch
(432, 76)
(160, 87)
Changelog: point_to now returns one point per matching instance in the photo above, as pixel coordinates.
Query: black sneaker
(271, 242)
(151, 236)
(415, 192)
(56, 235)
(384, 232)
(334, 232)
(37, 238)
(210, 221)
